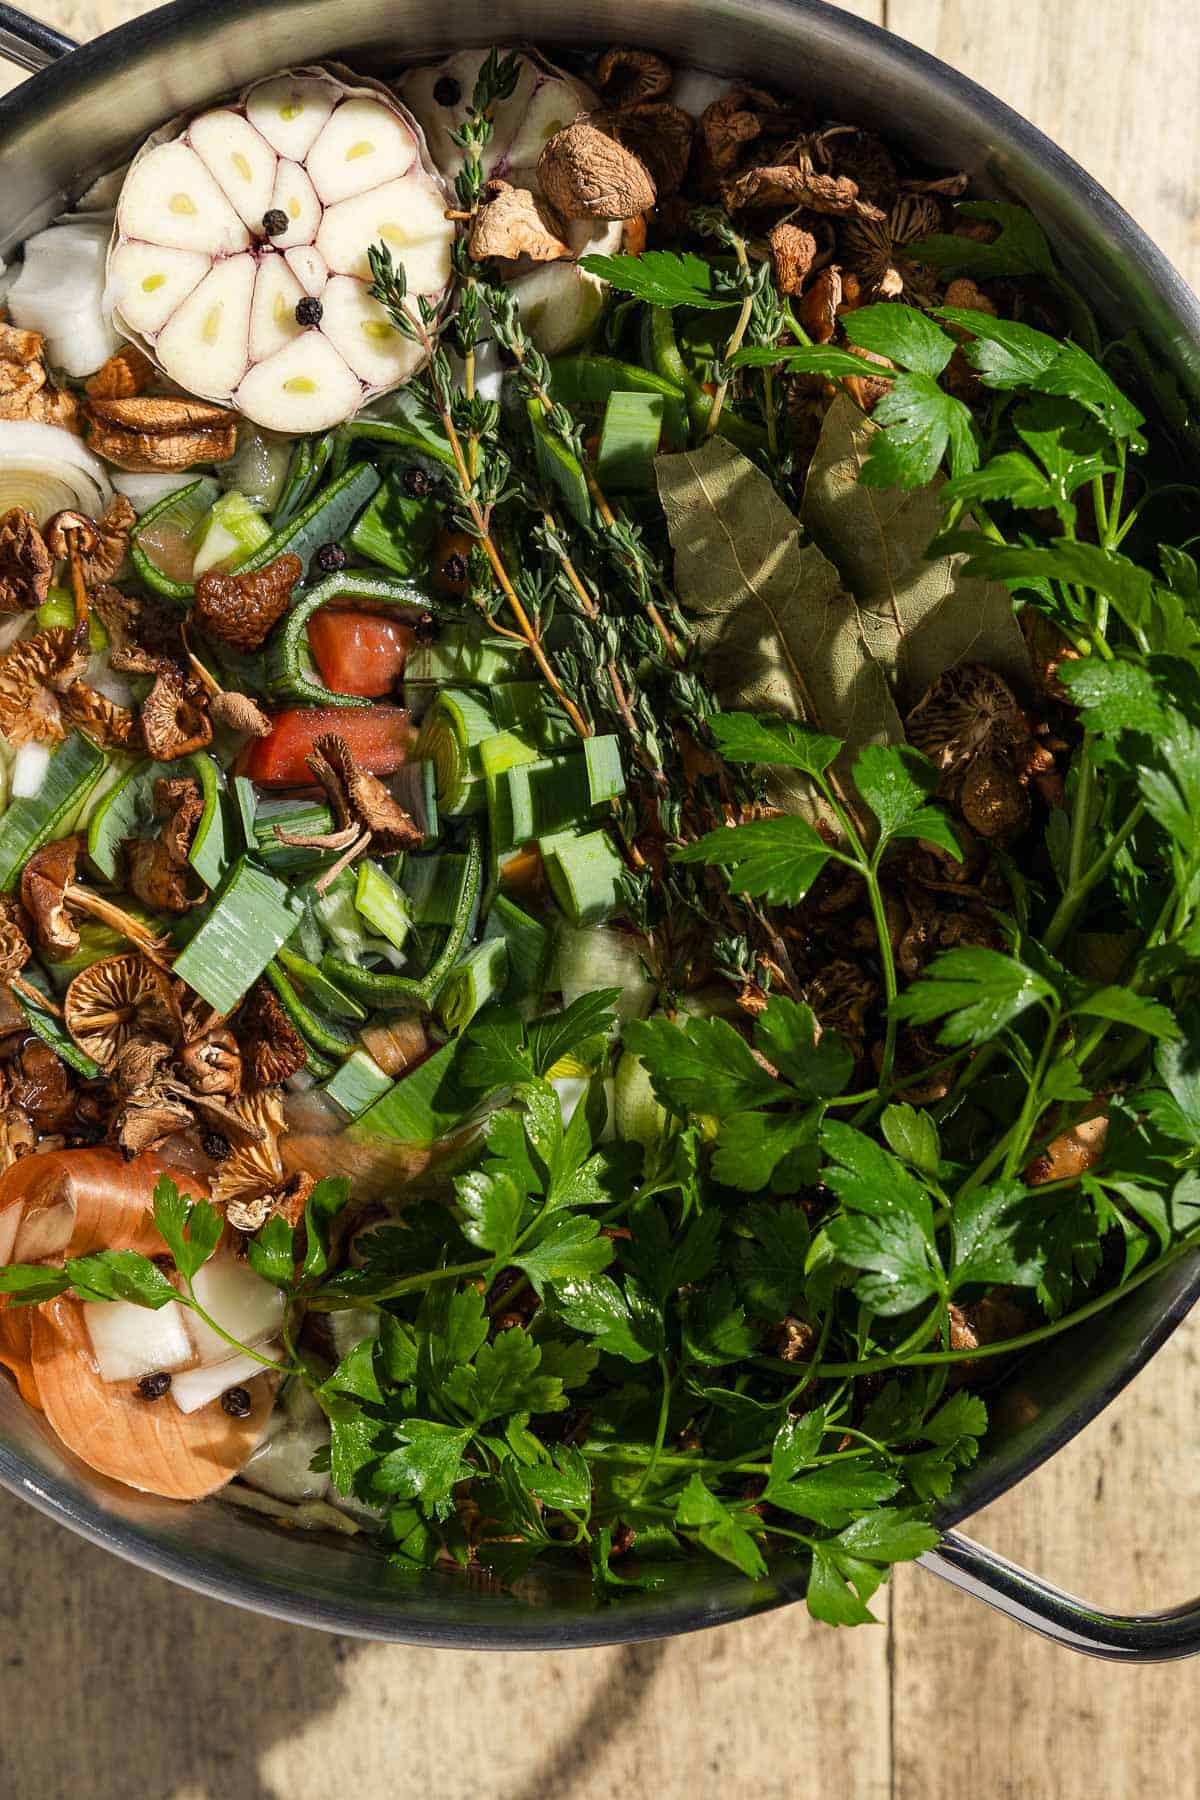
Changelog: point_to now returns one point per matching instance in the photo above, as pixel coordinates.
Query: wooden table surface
(116, 1686)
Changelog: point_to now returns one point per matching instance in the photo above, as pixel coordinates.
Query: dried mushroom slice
(26, 564)
(114, 1001)
(160, 434)
(175, 720)
(513, 222)
(658, 134)
(110, 726)
(212, 1064)
(254, 1167)
(51, 896)
(33, 675)
(793, 254)
(159, 874)
(242, 609)
(627, 77)
(364, 812)
(26, 392)
(127, 372)
(239, 259)
(102, 563)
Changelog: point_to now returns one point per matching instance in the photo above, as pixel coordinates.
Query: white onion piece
(130, 1341)
(570, 1090)
(280, 1465)
(695, 89)
(10, 1224)
(247, 1307)
(145, 491)
(595, 956)
(28, 773)
(108, 681)
(197, 1387)
(47, 470)
(59, 292)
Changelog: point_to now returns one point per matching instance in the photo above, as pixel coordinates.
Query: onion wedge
(71, 1202)
(151, 1446)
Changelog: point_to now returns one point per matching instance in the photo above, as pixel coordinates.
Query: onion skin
(148, 1445)
(77, 1201)
(15, 1328)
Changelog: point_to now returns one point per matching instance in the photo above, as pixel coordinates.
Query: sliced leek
(231, 530)
(357, 1084)
(586, 875)
(128, 808)
(383, 904)
(460, 657)
(392, 993)
(45, 470)
(253, 916)
(528, 943)
(433, 887)
(451, 733)
(479, 976)
(397, 529)
(629, 440)
(73, 772)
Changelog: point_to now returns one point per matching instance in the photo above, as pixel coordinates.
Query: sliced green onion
(396, 530)
(390, 993)
(253, 916)
(629, 439)
(382, 904)
(560, 467)
(433, 887)
(357, 1084)
(160, 545)
(480, 975)
(322, 1035)
(309, 979)
(460, 657)
(73, 770)
(451, 733)
(528, 943)
(245, 800)
(585, 875)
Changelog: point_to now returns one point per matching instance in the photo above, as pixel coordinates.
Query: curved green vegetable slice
(291, 670)
(129, 806)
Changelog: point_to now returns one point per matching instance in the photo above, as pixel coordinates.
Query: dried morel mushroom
(26, 564)
(116, 1000)
(976, 733)
(175, 719)
(793, 253)
(626, 77)
(586, 175)
(273, 1047)
(241, 609)
(148, 434)
(513, 222)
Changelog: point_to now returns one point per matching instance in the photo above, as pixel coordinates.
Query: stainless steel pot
(84, 108)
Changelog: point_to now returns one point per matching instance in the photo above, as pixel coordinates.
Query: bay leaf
(918, 618)
(777, 629)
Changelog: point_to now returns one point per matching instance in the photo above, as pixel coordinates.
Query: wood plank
(1114, 84)
(976, 1700)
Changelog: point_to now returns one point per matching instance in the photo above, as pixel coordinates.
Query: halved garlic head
(228, 233)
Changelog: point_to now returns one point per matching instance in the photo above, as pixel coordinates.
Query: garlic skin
(239, 255)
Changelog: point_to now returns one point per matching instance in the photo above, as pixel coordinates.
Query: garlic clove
(295, 195)
(309, 267)
(406, 217)
(170, 198)
(239, 159)
(205, 346)
(363, 145)
(148, 282)
(273, 320)
(360, 329)
(290, 110)
(304, 387)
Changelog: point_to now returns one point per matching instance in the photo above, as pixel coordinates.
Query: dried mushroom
(975, 731)
(127, 372)
(51, 895)
(144, 637)
(147, 434)
(175, 719)
(784, 184)
(102, 561)
(159, 872)
(364, 813)
(26, 564)
(241, 609)
(212, 1063)
(110, 726)
(586, 175)
(658, 134)
(627, 77)
(252, 1175)
(33, 675)
(273, 1047)
(45, 1091)
(116, 1000)
(26, 391)
(730, 125)
(513, 222)
(793, 253)
(863, 157)
(878, 248)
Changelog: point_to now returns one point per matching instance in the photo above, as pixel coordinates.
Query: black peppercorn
(447, 91)
(309, 311)
(215, 1144)
(236, 1402)
(275, 222)
(330, 558)
(427, 629)
(454, 570)
(153, 1387)
(417, 484)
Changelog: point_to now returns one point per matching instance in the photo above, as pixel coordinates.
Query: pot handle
(29, 43)
(1034, 1603)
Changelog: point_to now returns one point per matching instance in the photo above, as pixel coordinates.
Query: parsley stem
(189, 1300)
(660, 1436)
(1081, 886)
(736, 336)
(408, 1284)
(888, 961)
(1081, 815)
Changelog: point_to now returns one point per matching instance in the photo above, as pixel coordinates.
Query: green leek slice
(529, 945)
(585, 875)
(73, 771)
(479, 976)
(253, 916)
(460, 657)
(396, 530)
(129, 807)
(392, 993)
(357, 1084)
(629, 439)
(560, 467)
(382, 904)
(451, 733)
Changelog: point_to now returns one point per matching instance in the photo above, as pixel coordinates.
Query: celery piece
(231, 530)
(382, 904)
(253, 916)
(73, 771)
(629, 439)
